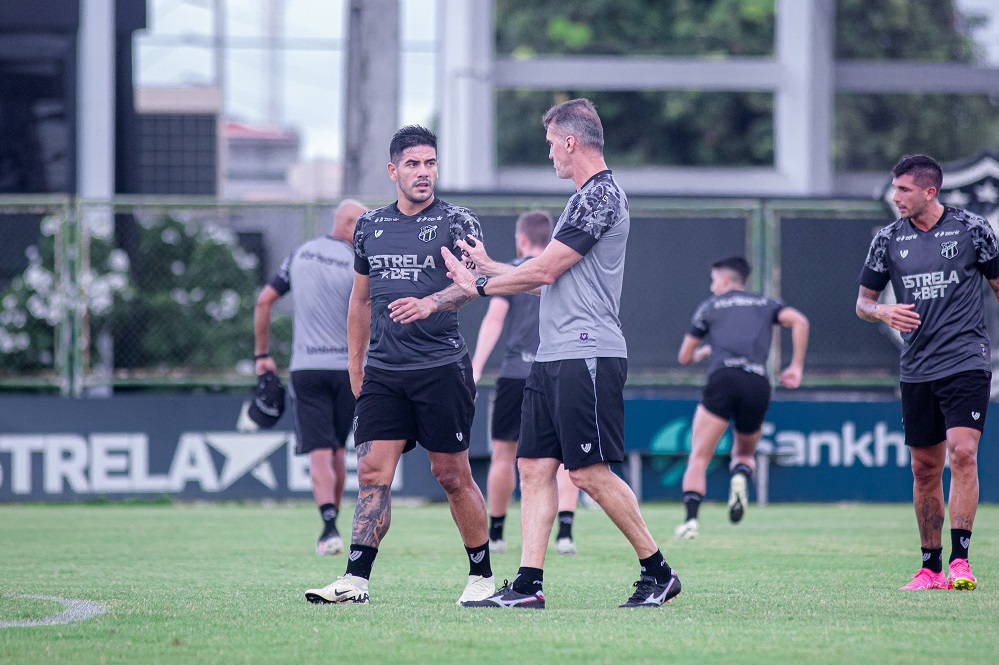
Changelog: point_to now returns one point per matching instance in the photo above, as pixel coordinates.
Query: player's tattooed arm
(901, 317)
(451, 297)
(408, 310)
(372, 515)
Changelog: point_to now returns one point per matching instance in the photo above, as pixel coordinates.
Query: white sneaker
(565, 546)
(331, 545)
(688, 530)
(478, 588)
(345, 589)
(738, 497)
(497, 546)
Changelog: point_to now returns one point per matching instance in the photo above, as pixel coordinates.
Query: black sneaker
(649, 593)
(508, 598)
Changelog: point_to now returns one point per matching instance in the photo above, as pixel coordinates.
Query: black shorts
(323, 406)
(507, 401)
(930, 408)
(433, 406)
(574, 411)
(735, 394)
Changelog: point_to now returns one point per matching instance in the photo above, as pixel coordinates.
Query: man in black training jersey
(518, 315)
(416, 386)
(935, 256)
(573, 411)
(738, 329)
(320, 274)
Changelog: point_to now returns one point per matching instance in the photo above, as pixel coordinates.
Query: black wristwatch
(480, 286)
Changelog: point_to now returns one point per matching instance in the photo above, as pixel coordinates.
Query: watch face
(481, 281)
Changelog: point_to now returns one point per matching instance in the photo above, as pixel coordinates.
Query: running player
(320, 272)
(417, 384)
(935, 256)
(518, 315)
(574, 400)
(739, 328)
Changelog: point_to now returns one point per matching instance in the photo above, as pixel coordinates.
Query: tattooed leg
(927, 492)
(376, 463)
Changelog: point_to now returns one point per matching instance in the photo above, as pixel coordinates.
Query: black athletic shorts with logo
(930, 408)
(323, 406)
(574, 411)
(734, 394)
(433, 407)
(507, 402)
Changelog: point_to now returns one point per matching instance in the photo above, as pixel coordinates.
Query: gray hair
(578, 118)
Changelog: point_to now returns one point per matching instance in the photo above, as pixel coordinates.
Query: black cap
(267, 404)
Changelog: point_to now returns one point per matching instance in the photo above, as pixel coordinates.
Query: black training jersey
(739, 327)
(938, 271)
(401, 255)
(522, 333)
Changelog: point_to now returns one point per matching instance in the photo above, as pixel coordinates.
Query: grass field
(224, 584)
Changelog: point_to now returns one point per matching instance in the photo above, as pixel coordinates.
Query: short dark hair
(536, 225)
(925, 170)
(737, 264)
(410, 136)
(577, 117)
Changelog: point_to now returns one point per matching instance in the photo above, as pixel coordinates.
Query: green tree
(698, 128)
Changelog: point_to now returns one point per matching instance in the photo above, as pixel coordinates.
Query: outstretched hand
(459, 274)
(475, 250)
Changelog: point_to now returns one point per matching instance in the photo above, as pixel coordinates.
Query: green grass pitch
(224, 584)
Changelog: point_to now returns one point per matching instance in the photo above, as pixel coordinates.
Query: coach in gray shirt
(573, 410)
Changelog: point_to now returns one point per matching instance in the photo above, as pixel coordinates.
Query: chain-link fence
(104, 295)
(37, 292)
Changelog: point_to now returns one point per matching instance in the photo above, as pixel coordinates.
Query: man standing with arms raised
(417, 384)
(574, 400)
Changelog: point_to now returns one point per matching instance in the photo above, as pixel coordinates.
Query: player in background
(416, 386)
(738, 328)
(323, 404)
(518, 315)
(935, 257)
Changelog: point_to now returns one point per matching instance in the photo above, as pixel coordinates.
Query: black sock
(692, 501)
(496, 527)
(744, 470)
(360, 560)
(565, 519)
(328, 512)
(528, 580)
(960, 540)
(656, 566)
(933, 558)
(478, 560)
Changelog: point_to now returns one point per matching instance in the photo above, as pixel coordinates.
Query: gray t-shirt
(739, 327)
(401, 254)
(938, 271)
(522, 333)
(320, 273)
(579, 311)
